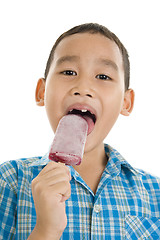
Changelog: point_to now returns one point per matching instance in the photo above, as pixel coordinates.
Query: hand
(50, 189)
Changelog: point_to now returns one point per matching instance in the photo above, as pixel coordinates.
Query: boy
(104, 197)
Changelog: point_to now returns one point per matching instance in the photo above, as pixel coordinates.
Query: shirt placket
(97, 228)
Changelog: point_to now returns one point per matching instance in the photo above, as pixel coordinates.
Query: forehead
(93, 46)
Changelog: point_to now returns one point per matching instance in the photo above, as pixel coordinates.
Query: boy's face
(87, 71)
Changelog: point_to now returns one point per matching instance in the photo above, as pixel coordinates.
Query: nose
(87, 94)
(83, 88)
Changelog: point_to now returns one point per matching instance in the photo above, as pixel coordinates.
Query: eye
(69, 73)
(103, 77)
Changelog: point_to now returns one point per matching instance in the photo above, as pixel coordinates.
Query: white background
(28, 30)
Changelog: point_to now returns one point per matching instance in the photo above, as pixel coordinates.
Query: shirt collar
(113, 167)
(41, 161)
(116, 162)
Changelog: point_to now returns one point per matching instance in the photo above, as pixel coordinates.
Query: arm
(36, 234)
(50, 189)
(8, 206)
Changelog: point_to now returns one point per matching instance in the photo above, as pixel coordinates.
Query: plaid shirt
(125, 206)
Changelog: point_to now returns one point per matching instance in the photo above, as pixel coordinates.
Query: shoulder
(11, 170)
(12, 166)
(145, 183)
(151, 182)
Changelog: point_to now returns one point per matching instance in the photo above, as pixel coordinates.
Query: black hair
(94, 28)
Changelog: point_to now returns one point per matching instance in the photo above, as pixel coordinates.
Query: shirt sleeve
(8, 206)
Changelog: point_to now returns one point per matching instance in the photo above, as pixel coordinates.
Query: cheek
(112, 107)
(52, 105)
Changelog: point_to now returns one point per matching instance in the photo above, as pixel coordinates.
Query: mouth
(85, 113)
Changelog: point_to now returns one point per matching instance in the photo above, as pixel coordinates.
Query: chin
(92, 145)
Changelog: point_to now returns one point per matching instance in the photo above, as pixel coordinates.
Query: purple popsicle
(69, 140)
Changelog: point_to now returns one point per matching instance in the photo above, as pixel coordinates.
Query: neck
(92, 167)
(95, 158)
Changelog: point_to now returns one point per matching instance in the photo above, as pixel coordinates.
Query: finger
(51, 166)
(51, 180)
(62, 190)
(66, 168)
(53, 173)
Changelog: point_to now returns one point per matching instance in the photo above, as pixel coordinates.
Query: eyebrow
(67, 59)
(74, 58)
(108, 62)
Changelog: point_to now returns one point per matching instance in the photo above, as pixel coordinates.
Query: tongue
(90, 124)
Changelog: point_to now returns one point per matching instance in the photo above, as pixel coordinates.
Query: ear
(128, 102)
(40, 90)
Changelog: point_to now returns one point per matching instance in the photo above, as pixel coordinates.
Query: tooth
(83, 110)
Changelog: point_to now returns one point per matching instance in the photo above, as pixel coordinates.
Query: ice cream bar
(69, 140)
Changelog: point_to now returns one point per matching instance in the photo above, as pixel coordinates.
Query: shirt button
(97, 208)
(77, 174)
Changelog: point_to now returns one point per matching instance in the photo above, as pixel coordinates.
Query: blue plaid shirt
(125, 206)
